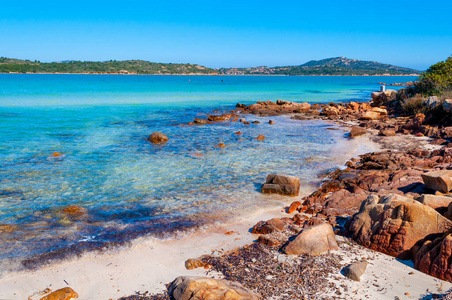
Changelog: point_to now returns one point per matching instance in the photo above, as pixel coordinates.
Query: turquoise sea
(131, 188)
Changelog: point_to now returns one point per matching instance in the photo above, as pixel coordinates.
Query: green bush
(437, 79)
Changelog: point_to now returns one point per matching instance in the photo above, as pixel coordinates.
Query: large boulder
(313, 240)
(203, 288)
(435, 257)
(392, 224)
(157, 138)
(438, 180)
(281, 184)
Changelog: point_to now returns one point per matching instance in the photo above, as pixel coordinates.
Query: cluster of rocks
(395, 202)
(274, 108)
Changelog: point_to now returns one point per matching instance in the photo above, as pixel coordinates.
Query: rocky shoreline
(396, 202)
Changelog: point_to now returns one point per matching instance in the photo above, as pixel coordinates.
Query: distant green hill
(9, 65)
(329, 66)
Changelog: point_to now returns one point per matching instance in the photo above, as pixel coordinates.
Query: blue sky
(228, 33)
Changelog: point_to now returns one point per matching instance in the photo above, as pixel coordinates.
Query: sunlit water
(133, 188)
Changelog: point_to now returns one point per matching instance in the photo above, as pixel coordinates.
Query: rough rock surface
(269, 226)
(392, 224)
(157, 138)
(272, 108)
(313, 240)
(203, 288)
(281, 184)
(356, 270)
(62, 294)
(435, 257)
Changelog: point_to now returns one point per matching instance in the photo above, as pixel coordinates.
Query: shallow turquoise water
(131, 187)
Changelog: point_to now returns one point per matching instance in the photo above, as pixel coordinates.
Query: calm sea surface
(132, 188)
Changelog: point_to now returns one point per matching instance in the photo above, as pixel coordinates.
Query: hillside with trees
(8, 65)
(329, 66)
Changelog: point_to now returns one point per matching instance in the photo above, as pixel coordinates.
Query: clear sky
(228, 33)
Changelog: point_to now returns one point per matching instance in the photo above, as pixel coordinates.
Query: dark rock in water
(224, 117)
(438, 180)
(256, 122)
(281, 184)
(355, 270)
(157, 138)
(313, 240)
(392, 224)
(357, 131)
(199, 121)
(260, 137)
(271, 122)
(200, 288)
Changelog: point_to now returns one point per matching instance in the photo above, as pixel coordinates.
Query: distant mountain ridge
(329, 66)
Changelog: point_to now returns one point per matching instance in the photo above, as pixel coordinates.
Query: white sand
(149, 265)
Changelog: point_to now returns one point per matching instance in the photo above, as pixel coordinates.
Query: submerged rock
(157, 138)
(203, 288)
(313, 240)
(199, 121)
(281, 184)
